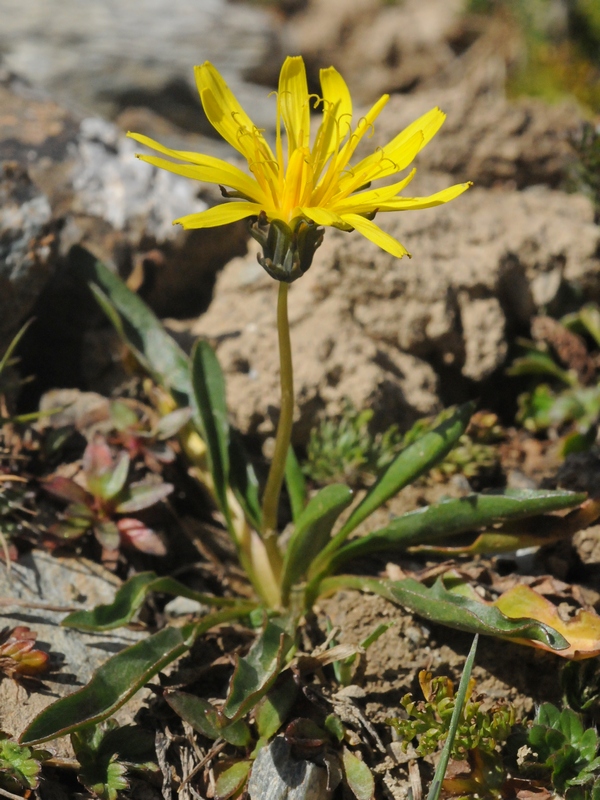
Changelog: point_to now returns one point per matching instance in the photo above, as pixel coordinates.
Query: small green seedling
(19, 766)
(107, 752)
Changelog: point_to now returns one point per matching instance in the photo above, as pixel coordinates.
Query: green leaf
(20, 763)
(204, 718)
(256, 673)
(13, 345)
(358, 776)
(232, 779)
(143, 495)
(118, 679)
(107, 483)
(274, 708)
(312, 533)
(143, 332)
(537, 363)
(461, 696)
(296, 485)
(129, 598)
(439, 605)
(170, 425)
(413, 461)
(210, 415)
(452, 517)
(243, 480)
(108, 535)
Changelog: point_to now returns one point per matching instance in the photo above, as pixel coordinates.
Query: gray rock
(130, 195)
(28, 244)
(100, 57)
(39, 578)
(277, 776)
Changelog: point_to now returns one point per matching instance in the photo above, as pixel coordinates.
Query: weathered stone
(378, 47)
(28, 244)
(39, 578)
(109, 55)
(276, 775)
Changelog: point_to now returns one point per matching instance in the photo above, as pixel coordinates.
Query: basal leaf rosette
(295, 190)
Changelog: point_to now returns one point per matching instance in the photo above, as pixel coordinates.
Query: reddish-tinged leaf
(582, 631)
(135, 534)
(97, 459)
(111, 483)
(66, 489)
(144, 495)
(17, 656)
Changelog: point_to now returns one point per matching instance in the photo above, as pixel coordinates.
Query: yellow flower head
(308, 185)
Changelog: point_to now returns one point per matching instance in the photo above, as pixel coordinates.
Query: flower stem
(284, 427)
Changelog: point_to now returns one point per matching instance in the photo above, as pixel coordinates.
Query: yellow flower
(307, 184)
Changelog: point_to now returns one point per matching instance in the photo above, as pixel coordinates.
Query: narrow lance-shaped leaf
(455, 516)
(118, 679)
(528, 532)
(461, 696)
(312, 532)
(413, 461)
(210, 414)
(296, 486)
(437, 604)
(143, 332)
(255, 673)
(129, 598)
(8, 353)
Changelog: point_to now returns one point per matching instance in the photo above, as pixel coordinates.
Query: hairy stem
(284, 427)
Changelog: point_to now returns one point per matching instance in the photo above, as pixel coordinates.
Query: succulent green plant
(562, 748)
(428, 720)
(345, 449)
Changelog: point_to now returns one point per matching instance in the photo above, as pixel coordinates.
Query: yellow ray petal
(387, 160)
(364, 202)
(225, 175)
(429, 124)
(225, 114)
(219, 215)
(381, 167)
(376, 235)
(337, 95)
(328, 185)
(321, 216)
(414, 203)
(292, 98)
